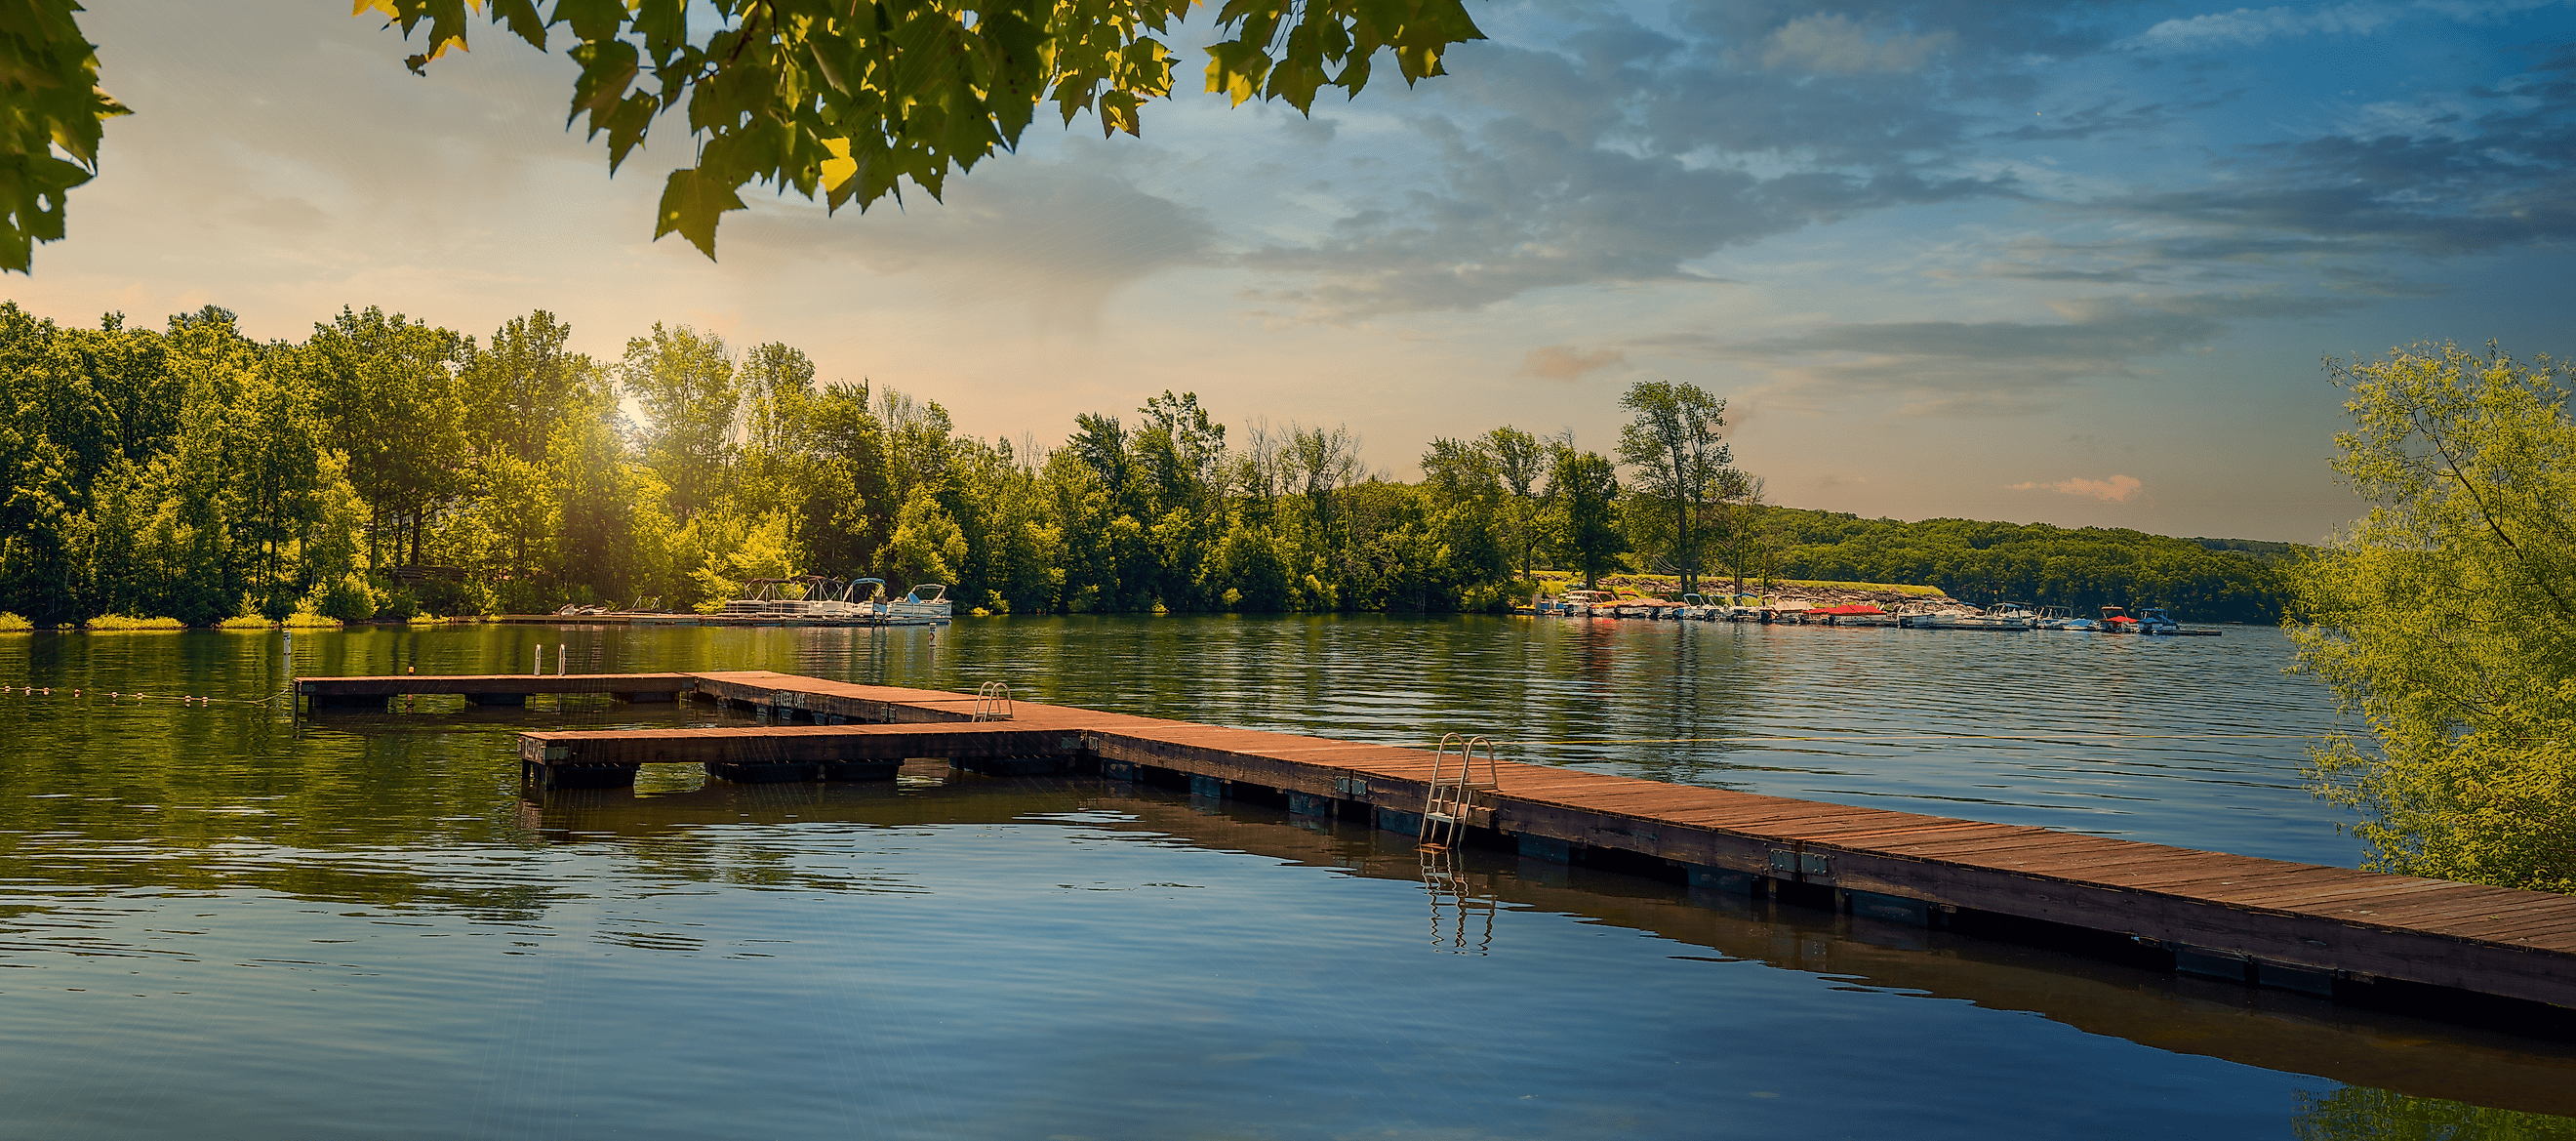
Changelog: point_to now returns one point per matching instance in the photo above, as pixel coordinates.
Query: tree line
(2080, 568)
(384, 466)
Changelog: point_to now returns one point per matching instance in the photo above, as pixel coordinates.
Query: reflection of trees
(2361, 1113)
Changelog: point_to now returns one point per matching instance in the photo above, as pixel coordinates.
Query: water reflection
(1462, 913)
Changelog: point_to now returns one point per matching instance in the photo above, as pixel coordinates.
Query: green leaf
(692, 201)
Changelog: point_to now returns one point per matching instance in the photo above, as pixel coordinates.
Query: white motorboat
(926, 604)
(2061, 618)
(1966, 618)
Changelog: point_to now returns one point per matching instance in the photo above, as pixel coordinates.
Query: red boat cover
(1854, 608)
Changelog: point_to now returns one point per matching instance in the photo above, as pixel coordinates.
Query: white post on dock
(540, 666)
(559, 659)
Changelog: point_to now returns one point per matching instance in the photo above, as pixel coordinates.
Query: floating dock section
(2324, 930)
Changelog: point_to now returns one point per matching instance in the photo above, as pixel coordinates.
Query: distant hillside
(2202, 580)
(2256, 549)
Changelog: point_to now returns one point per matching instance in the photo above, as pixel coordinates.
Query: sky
(2074, 263)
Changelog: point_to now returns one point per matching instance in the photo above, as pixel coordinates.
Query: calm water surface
(214, 922)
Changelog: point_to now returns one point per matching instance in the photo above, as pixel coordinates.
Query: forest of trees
(2035, 563)
(386, 467)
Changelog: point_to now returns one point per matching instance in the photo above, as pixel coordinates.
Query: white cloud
(2116, 489)
(1833, 43)
(2249, 26)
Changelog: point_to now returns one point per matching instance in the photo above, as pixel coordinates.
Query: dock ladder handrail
(993, 702)
(1446, 805)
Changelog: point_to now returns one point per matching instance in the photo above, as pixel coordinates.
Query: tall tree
(1585, 490)
(1519, 459)
(1680, 458)
(685, 383)
(523, 383)
(397, 412)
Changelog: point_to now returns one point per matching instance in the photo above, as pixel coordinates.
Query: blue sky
(2073, 263)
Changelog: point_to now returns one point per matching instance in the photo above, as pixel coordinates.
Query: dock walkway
(2307, 927)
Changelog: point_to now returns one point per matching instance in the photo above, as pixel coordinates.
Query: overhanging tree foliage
(2447, 617)
(842, 101)
(51, 108)
(835, 99)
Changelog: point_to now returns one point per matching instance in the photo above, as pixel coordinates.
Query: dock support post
(764, 773)
(1706, 878)
(1542, 848)
(1008, 766)
(2192, 961)
(1309, 804)
(377, 702)
(861, 770)
(1399, 821)
(1890, 908)
(1208, 786)
(535, 775)
(1118, 771)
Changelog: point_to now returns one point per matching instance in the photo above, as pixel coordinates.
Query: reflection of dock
(2272, 1029)
(2328, 931)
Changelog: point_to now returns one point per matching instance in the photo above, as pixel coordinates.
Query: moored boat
(925, 604)
(2061, 618)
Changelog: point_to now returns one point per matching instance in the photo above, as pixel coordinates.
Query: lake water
(216, 922)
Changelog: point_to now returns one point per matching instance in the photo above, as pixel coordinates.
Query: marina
(2333, 932)
(1913, 614)
(803, 600)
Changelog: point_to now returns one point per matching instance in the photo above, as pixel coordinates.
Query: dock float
(2335, 932)
(485, 689)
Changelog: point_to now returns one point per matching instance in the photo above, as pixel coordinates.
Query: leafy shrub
(307, 620)
(12, 623)
(126, 622)
(245, 622)
(401, 605)
(347, 598)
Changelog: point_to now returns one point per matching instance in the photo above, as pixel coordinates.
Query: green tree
(1681, 462)
(686, 385)
(518, 388)
(613, 539)
(849, 509)
(1585, 488)
(390, 394)
(1519, 459)
(2447, 617)
(927, 545)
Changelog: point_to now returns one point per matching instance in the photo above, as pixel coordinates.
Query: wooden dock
(2324, 930)
(486, 689)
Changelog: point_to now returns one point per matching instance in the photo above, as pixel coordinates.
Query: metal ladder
(993, 702)
(1446, 806)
